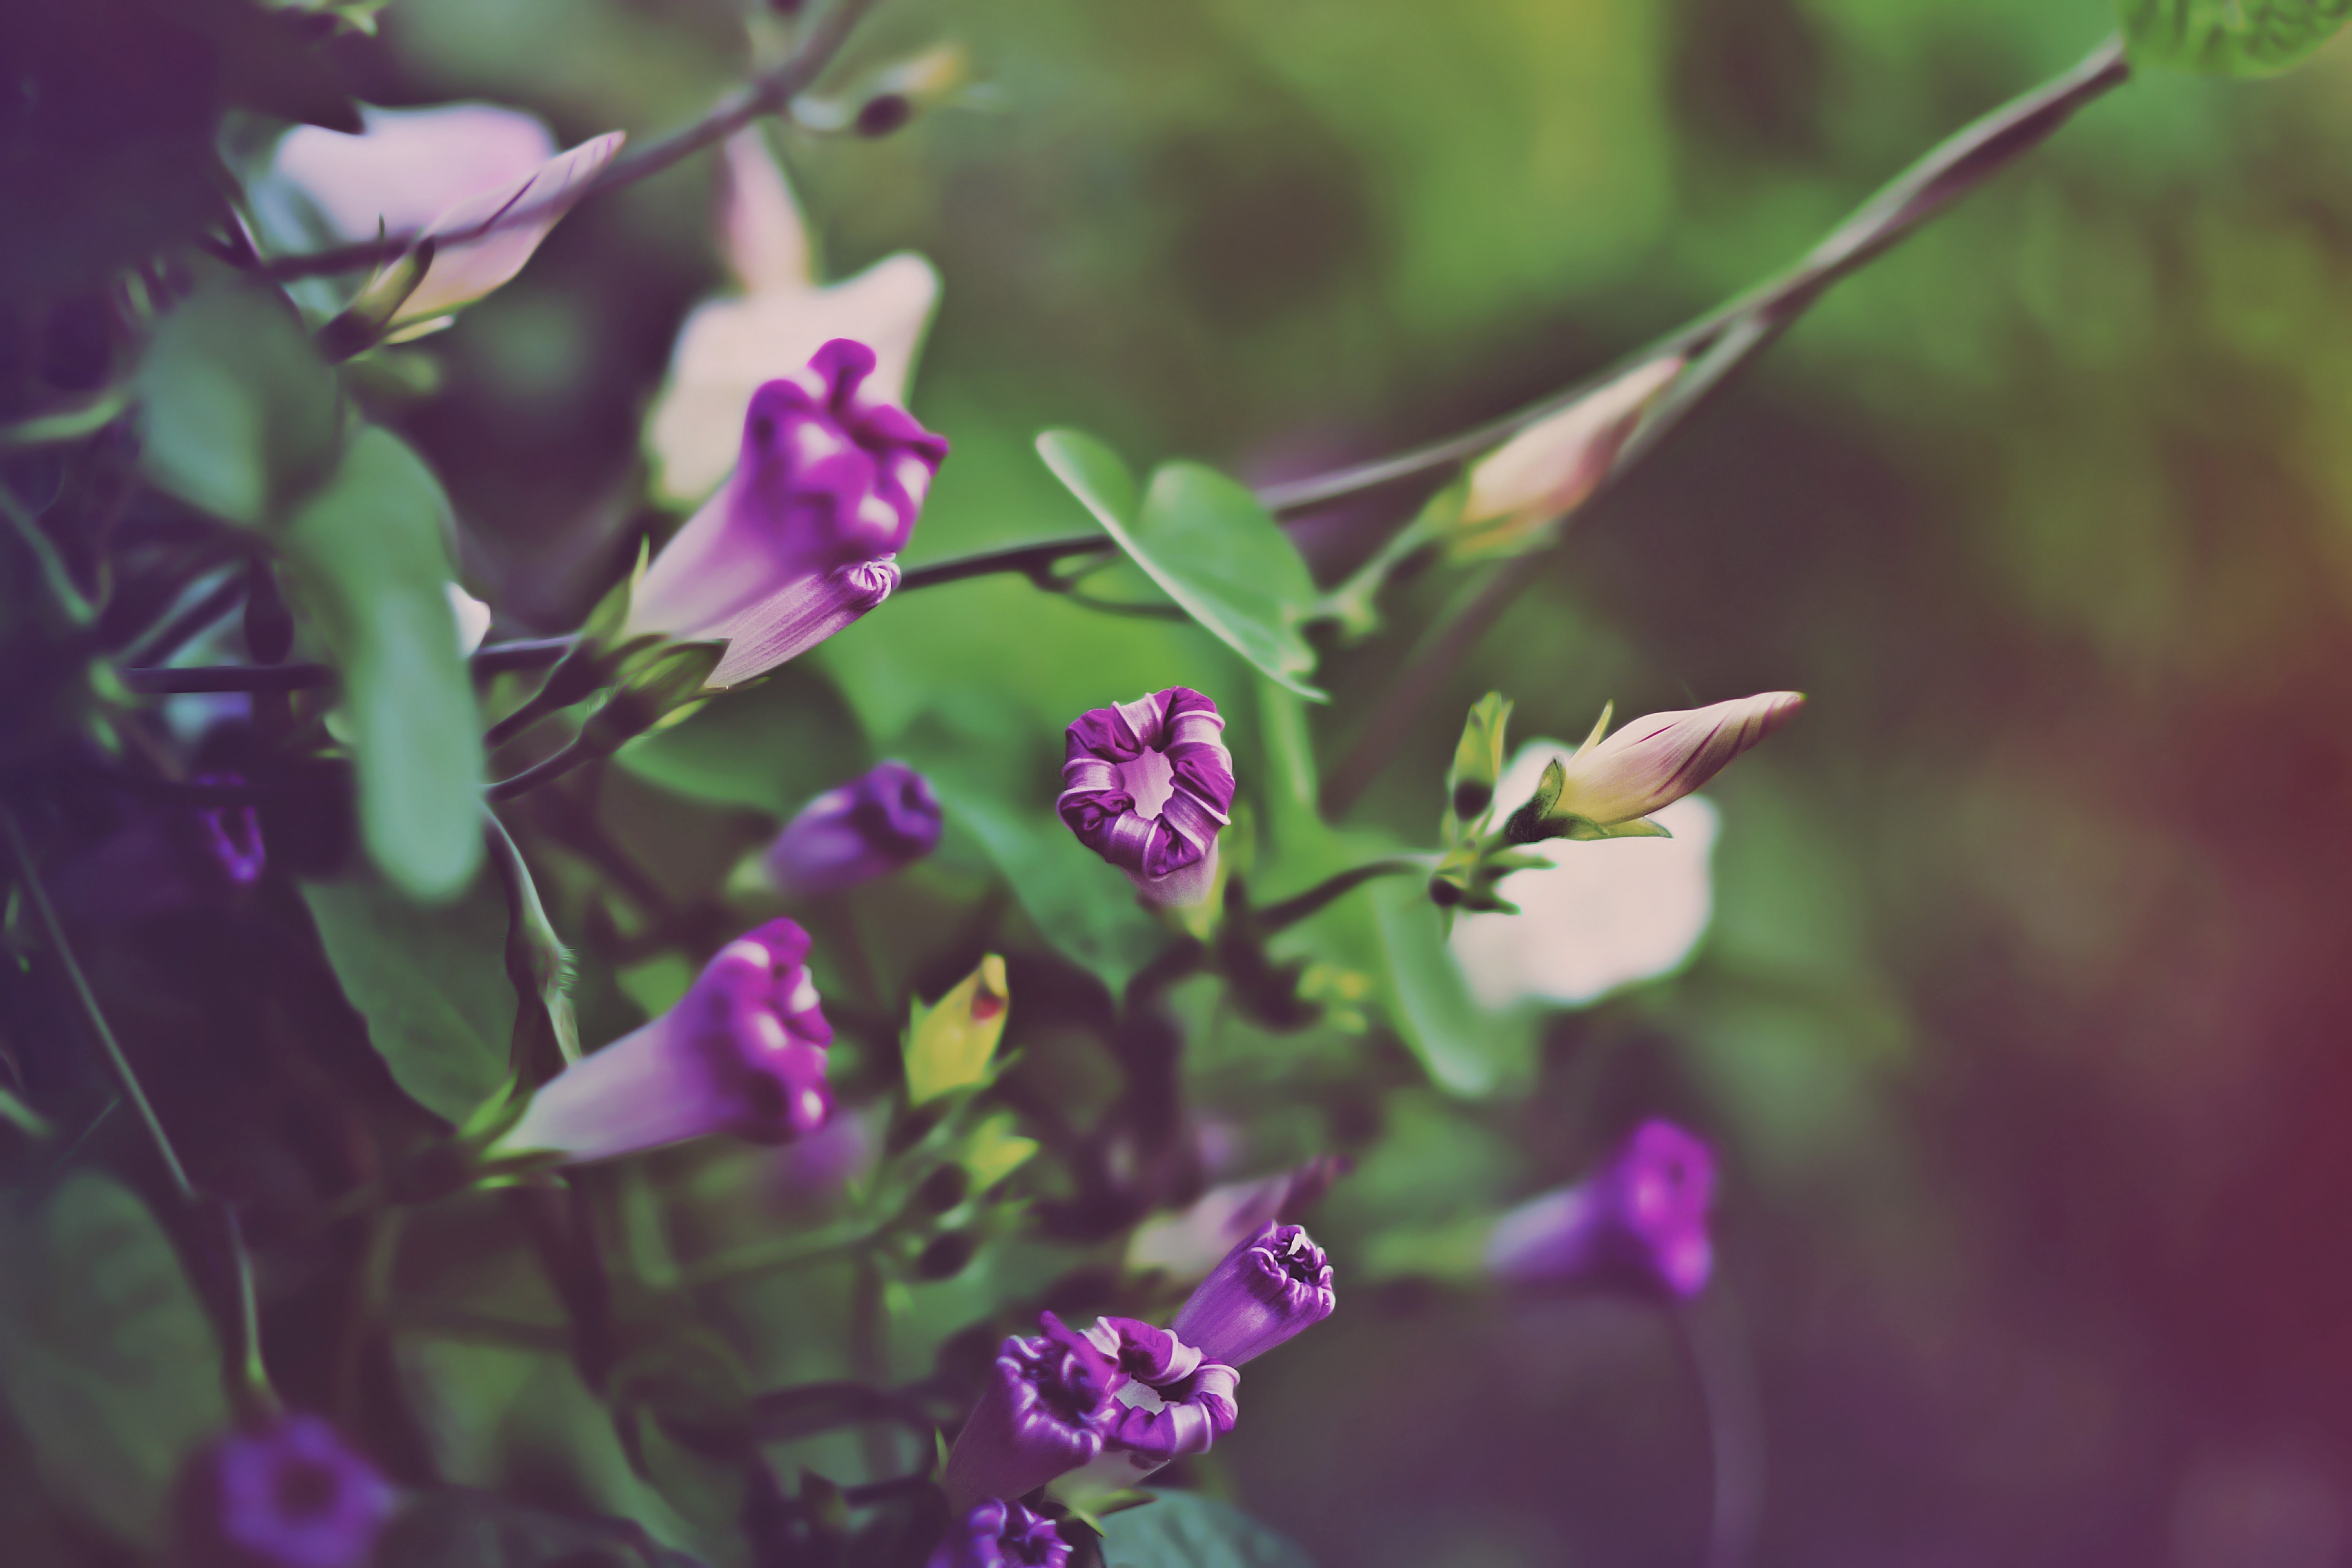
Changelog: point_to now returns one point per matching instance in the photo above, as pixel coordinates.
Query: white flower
(729, 347)
(1605, 914)
(476, 179)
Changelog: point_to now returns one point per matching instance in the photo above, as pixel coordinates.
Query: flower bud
(1147, 785)
(798, 618)
(1528, 483)
(742, 1053)
(869, 827)
(483, 241)
(826, 477)
(1046, 1411)
(999, 1535)
(1649, 763)
(949, 1044)
(1641, 1221)
(289, 1495)
(1187, 1246)
(1268, 1288)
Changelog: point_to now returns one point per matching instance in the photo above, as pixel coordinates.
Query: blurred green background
(2023, 1024)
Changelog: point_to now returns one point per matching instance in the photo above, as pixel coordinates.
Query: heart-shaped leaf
(2229, 37)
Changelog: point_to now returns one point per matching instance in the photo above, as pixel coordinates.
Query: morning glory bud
(1640, 1220)
(1520, 490)
(869, 827)
(1268, 1288)
(826, 477)
(1046, 1411)
(1650, 763)
(1146, 785)
(232, 835)
(1175, 1400)
(291, 1495)
(742, 1053)
(999, 1535)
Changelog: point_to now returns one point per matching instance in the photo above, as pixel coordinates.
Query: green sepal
(656, 687)
(1352, 604)
(364, 322)
(1478, 765)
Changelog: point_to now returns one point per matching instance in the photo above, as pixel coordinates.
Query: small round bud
(946, 1255)
(885, 112)
(1472, 796)
(1443, 893)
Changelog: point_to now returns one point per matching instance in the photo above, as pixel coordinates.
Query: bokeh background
(2022, 1021)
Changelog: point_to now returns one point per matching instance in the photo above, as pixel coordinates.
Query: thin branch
(1717, 345)
(545, 771)
(165, 682)
(762, 95)
(1714, 1350)
(1034, 562)
(124, 1076)
(522, 653)
(1298, 907)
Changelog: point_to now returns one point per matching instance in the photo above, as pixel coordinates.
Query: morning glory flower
(483, 183)
(877, 822)
(1268, 1288)
(1640, 1220)
(1175, 1400)
(1147, 785)
(801, 540)
(1046, 1410)
(998, 1534)
(729, 347)
(743, 1052)
(289, 1495)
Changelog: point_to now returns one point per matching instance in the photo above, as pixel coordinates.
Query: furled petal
(484, 240)
(1271, 1286)
(1045, 1410)
(884, 818)
(994, 1533)
(800, 617)
(1640, 1220)
(1660, 758)
(1148, 786)
(743, 1052)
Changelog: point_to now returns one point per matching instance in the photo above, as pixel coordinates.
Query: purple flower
(826, 479)
(291, 1495)
(1146, 785)
(869, 827)
(999, 1535)
(1046, 1410)
(742, 1052)
(1176, 1400)
(1640, 1220)
(1269, 1288)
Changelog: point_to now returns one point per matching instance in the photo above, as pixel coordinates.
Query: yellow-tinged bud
(1522, 487)
(949, 1043)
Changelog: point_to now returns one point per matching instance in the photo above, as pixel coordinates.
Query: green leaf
(1210, 546)
(239, 414)
(431, 983)
(2228, 37)
(476, 1530)
(1080, 904)
(1466, 1049)
(1182, 1530)
(107, 1359)
(370, 563)
(773, 745)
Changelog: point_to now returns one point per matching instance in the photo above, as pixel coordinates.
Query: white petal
(1604, 914)
(473, 618)
(411, 164)
(728, 348)
(485, 239)
(760, 225)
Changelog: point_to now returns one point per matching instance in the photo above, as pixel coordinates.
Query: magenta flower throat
(1147, 785)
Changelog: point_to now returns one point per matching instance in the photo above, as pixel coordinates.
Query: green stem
(1716, 345)
(1291, 910)
(116, 1060)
